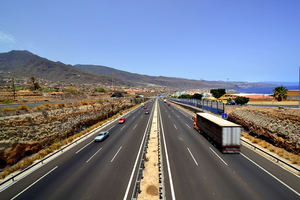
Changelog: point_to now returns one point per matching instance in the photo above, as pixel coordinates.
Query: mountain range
(26, 64)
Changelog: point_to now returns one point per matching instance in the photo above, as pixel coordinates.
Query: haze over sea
(266, 90)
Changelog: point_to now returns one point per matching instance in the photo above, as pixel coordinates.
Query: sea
(265, 90)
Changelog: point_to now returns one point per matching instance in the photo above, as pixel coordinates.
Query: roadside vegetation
(241, 100)
(217, 93)
(188, 96)
(293, 158)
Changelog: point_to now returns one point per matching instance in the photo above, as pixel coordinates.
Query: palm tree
(280, 93)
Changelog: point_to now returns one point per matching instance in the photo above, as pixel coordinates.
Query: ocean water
(265, 90)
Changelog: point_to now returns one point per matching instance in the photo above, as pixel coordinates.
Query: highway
(193, 168)
(200, 171)
(90, 170)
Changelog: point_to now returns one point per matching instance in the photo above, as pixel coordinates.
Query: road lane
(77, 179)
(280, 173)
(213, 179)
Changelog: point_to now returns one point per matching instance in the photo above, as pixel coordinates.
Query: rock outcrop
(25, 134)
(279, 126)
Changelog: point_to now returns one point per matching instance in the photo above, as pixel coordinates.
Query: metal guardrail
(60, 150)
(277, 159)
(212, 106)
(137, 185)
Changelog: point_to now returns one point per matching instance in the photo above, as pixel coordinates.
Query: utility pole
(13, 87)
(227, 79)
(112, 80)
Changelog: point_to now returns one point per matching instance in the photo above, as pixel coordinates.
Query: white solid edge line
(175, 126)
(271, 175)
(167, 157)
(218, 156)
(93, 155)
(84, 147)
(192, 156)
(116, 154)
(134, 127)
(137, 158)
(33, 183)
(2, 188)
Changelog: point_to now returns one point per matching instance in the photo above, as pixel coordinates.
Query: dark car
(122, 120)
(230, 103)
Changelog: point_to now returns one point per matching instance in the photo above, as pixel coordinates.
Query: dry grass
(294, 159)
(8, 109)
(59, 105)
(53, 147)
(23, 107)
(43, 107)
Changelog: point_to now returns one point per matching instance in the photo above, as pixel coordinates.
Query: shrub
(48, 105)
(241, 100)
(100, 89)
(197, 96)
(8, 109)
(217, 93)
(23, 107)
(59, 105)
(43, 107)
(74, 91)
(7, 101)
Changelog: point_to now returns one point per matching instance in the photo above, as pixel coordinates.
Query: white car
(101, 136)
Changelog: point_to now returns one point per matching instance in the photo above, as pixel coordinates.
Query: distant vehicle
(165, 101)
(230, 103)
(169, 104)
(147, 112)
(145, 107)
(122, 120)
(225, 134)
(101, 136)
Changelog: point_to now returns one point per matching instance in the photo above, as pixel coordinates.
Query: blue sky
(239, 40)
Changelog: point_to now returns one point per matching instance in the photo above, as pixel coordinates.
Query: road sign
(224, 115)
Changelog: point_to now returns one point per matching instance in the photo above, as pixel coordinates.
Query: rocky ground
(279, 126)
(30, 130)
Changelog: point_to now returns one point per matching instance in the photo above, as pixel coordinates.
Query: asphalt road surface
(193, 168)
(90, 170)
(201, 171)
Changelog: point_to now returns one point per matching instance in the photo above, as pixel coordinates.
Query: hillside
(26, 64)
(165, 81)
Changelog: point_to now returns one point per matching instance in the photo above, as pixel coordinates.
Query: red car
(145, 107)
(122, 120)
(169, 104)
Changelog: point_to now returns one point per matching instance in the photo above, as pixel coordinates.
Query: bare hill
(165, 81)
(26, 64)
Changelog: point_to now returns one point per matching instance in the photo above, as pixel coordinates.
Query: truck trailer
(223, 133)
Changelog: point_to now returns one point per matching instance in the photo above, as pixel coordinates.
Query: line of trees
(194, 96)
